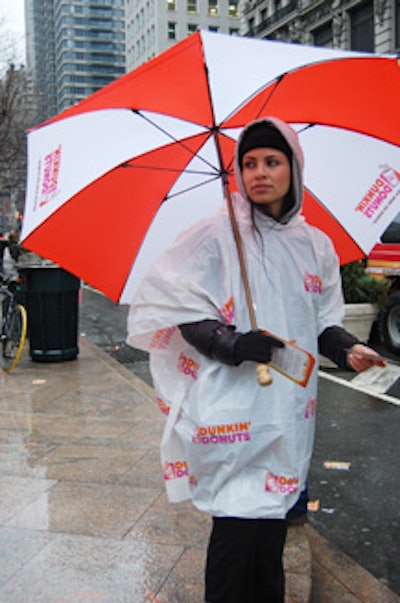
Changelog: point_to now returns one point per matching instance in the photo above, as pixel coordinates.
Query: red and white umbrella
(114, 179)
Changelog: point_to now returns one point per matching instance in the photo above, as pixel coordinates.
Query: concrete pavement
(83, 514)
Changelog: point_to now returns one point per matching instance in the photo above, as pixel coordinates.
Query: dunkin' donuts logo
(312, 283)
(228, 433)
(175, 470)
(281, 483)
(162, 338)
(165, 409)
(311, 409)
(380, 195)
(50, 176)
(188, 366)
(228, 312)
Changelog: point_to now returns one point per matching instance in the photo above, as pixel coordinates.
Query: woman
(241, 452)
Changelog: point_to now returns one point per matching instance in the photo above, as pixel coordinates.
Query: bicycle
(13, 324)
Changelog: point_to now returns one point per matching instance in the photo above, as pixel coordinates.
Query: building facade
(40, 55)
(154, 25)
(366, 25)
(74, 48)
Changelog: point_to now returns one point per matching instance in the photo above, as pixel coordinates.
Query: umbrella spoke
(170, 170)
(173, 139)
(190, 188)
(271, 88)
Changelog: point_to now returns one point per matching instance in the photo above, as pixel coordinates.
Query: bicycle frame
(11, 342)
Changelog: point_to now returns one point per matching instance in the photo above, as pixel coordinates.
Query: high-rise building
(154, 25)
(366, 25)
(74, 48)
(40, 55)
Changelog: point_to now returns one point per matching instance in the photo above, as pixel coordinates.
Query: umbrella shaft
(242, 264)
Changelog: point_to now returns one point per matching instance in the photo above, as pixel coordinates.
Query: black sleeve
(213, 339)
(333, 343)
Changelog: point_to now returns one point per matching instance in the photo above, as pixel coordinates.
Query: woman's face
(266, 175)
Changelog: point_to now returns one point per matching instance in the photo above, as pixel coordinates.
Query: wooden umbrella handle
(263, 375)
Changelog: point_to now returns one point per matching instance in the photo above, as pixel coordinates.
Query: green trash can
(53, 302)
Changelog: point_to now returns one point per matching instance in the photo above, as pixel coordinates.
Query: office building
(371, 25)
(74, 48)
(154, 25)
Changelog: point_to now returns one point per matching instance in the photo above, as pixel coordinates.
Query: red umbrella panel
(114, 179)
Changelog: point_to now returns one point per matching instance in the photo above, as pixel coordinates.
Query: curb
(298, 565)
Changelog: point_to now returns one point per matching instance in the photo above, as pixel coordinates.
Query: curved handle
(264, 376)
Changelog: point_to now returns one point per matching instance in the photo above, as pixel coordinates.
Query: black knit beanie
(261, 135)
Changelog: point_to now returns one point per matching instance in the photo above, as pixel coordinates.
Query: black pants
(244, 561)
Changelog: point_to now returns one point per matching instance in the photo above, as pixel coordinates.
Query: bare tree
(8, 47)
(16, 116)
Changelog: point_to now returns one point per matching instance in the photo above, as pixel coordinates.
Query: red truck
(384, 261)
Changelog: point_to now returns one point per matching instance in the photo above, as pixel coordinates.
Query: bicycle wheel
(13, 339)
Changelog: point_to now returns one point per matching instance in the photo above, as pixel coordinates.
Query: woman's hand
(257, 346)
(360, 357)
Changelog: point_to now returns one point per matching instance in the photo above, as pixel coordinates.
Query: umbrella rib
(173, 139)
(190, 188)
(168, 169)
(278, 80)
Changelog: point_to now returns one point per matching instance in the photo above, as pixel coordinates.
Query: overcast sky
(12, 16)
(12, 20)
(13, 13)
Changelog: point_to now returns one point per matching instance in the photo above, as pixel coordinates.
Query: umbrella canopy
(114, 179)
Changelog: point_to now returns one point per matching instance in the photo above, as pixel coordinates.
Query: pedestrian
(239, 451)
(14, 246)
(3, 245)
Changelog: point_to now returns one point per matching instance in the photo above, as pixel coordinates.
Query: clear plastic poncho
(235, 448)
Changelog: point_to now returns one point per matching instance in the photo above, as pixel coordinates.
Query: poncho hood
(292, 140)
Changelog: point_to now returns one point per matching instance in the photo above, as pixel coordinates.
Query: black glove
(256, 346)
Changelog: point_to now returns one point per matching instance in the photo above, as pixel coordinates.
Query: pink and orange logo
(312, 283)
(175, 470)
(228, 433)
(380, 195)
(228, 311)
(162, 338)
(188, 366)
(51, 173)
(311, 409)
(281, 483)
(165, 409)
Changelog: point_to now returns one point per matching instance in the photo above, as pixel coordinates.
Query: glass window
(213, 8)
(233, 8)
(192, 27)
(192, 7)
(323, 35)
(171, 5)
(362, 28)
(171, 30)
(213, 28)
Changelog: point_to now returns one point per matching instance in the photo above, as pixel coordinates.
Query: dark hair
(260, 135)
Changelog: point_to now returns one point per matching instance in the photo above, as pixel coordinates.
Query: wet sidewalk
(83, 514)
